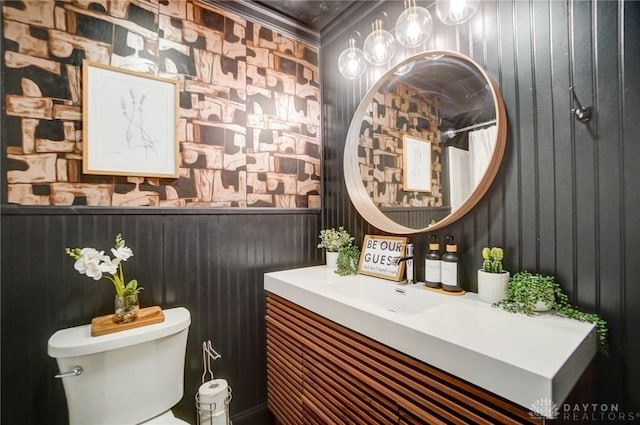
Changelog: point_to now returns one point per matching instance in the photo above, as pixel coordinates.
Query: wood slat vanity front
(320, 372)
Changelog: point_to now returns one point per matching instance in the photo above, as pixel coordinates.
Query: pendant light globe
(379, 46)
(454, 12)
(414, 26)
(351, 63)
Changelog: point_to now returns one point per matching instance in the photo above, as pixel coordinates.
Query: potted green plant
(348, 259)
(492, 279)
(529, 294)
(333, 241)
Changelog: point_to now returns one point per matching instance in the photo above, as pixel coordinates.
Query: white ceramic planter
(332, 259)
(541, 306)
(492, 287)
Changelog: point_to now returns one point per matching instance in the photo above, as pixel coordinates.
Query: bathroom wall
(249, 108)
(196, 241)
(565, 200)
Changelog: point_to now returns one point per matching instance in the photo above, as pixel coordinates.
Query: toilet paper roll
(211, 396)
(220, 418)
(212, 389)
(206, 418)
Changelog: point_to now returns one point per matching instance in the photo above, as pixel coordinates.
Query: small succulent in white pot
(492, 259)
(492, 279)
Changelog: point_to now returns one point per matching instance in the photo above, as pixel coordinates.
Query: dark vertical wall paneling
(565, 200)
(627, 211)
(212, 264)
(209, 260)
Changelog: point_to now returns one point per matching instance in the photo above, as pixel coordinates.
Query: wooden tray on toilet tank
(104, 325)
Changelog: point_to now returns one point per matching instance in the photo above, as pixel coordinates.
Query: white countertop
(525, 359)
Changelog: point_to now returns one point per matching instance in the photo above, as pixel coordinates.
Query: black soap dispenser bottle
(450, 272)
(432, 264)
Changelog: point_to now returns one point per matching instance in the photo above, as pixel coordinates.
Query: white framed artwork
(416, 164)
(129, 122)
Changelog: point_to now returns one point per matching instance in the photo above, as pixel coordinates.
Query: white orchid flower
(96, 265)
(122, 253)
(109, 265)
(87, 257)
(93, 270)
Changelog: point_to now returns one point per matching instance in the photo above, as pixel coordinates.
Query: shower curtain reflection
(481, 145)
(459, 177)
(466, 168)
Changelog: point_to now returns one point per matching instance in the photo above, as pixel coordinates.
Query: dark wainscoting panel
(212, 264)
(565, 200)
(416, 217)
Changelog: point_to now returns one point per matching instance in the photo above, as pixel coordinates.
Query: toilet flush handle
(77, 370)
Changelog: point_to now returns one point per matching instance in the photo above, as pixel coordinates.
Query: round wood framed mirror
(425, 143)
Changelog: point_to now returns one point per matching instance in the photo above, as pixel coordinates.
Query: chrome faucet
(409, 268)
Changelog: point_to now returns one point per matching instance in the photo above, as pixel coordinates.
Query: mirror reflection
(424, 139)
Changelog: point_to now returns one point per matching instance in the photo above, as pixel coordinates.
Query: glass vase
(126, 308)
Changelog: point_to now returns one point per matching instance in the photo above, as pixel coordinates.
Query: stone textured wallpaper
(393, 113)
(249, 102)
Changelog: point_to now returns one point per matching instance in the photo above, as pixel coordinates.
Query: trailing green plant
(563, 307)
(348, 259)
(333, 240)
(525, 290)
(492, 259)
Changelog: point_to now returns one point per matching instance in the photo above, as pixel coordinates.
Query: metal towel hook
(208, 354)
(583, 114)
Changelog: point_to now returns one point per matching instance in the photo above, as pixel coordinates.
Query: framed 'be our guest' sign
(377, 257)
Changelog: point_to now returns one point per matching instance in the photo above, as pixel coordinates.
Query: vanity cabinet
(320, 372)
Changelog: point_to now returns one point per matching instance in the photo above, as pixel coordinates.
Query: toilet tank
(128, 376)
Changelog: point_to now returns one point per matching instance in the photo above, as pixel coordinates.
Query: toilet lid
(77, 341)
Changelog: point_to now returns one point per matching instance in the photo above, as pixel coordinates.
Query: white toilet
(129, 377)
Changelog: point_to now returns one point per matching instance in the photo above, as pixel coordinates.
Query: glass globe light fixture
(414, 25)
(454, 12)
(351, 62)
(379, 46)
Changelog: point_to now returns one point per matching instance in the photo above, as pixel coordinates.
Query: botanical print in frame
(129, 123)
(416, 164)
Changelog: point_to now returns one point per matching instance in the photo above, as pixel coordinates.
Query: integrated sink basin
(378, 294)
(529, 360)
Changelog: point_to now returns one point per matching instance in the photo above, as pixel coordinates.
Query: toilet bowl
(129, 377)
(166, 418)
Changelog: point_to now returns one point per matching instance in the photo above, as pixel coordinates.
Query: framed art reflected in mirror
(416, 164)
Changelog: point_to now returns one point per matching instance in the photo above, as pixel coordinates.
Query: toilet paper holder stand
(209, 413)
(208, 355)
